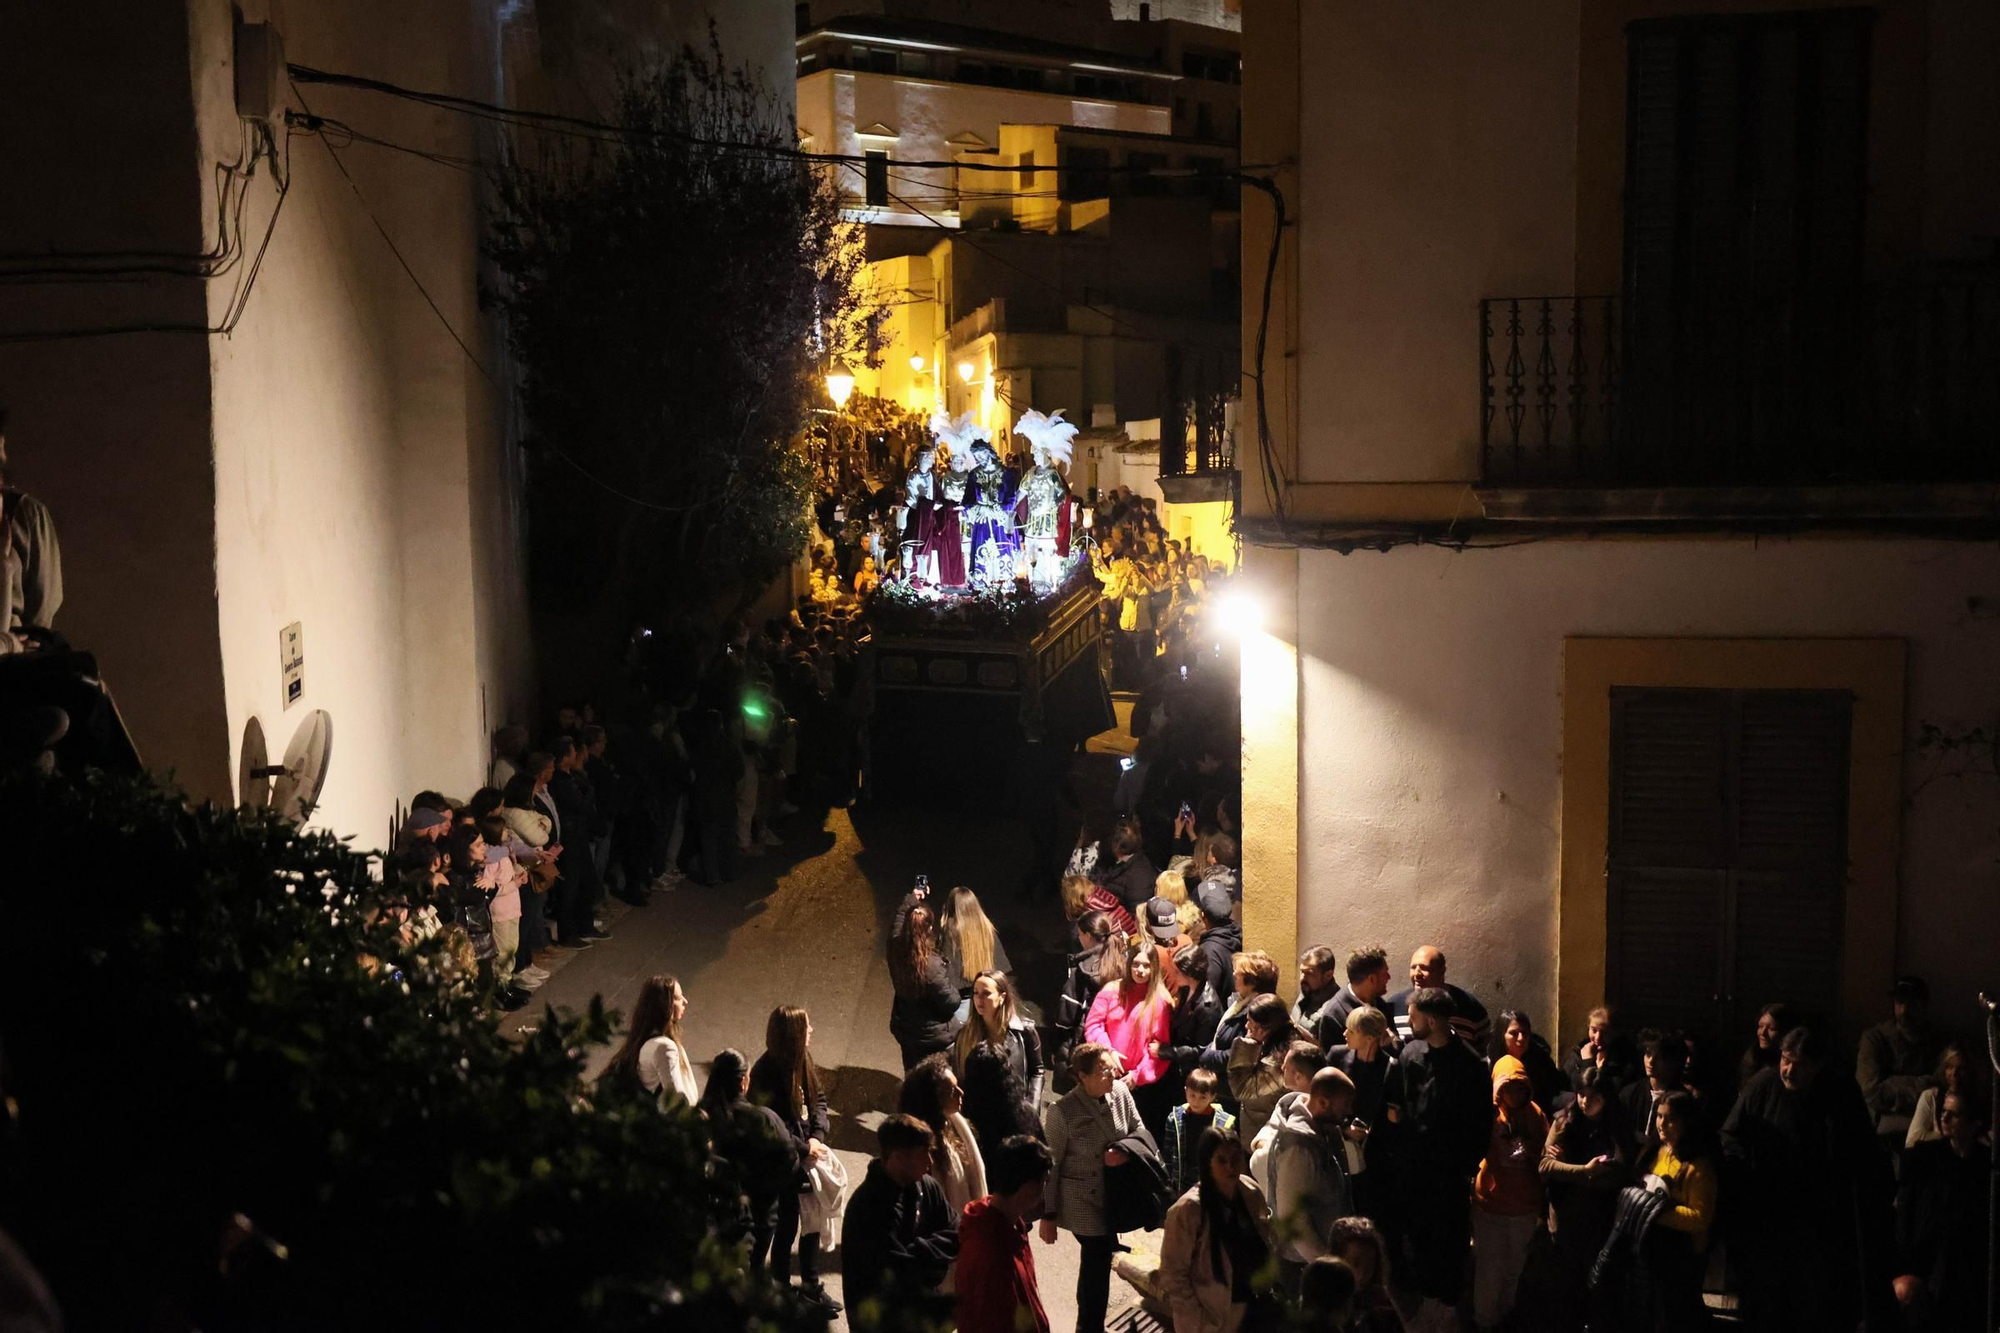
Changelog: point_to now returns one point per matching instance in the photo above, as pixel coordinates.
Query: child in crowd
(1185, 1124)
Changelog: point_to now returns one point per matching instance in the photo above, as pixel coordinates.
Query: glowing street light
(965, 371)
(917, 364)
(1237, 613)
(839, 385)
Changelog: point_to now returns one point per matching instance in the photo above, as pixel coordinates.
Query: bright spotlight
(1237, 613)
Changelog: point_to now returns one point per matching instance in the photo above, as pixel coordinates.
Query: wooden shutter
(1664, 966)
(1669, 753)
(1727, 856)
(1789, 887)
(1745, 185)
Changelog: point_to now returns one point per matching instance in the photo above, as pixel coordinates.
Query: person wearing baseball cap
(1898, 1057)
(1221, 936)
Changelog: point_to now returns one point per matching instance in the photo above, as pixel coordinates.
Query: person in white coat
(1081, 1129)
(1218, 1237)
(653, 1055)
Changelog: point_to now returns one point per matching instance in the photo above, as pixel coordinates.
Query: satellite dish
(296, 786)
(253, 768)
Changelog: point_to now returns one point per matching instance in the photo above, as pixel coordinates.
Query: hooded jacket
(1221, 941)
(1509, 1181)
(1309, 1185)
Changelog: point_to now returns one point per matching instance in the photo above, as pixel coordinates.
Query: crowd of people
(1372, 1156)
(1435, 1165)
(719, 736)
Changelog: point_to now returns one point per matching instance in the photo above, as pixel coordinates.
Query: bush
(209, 1014)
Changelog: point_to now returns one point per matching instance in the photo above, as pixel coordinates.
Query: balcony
(1197, 430)
(1872, 387)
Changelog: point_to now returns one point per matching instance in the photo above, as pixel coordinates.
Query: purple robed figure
(989, 516)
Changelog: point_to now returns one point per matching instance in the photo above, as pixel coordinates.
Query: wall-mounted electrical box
(260, 73)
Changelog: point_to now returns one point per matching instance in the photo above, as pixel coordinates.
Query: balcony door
(1745, 186)
(1727, 856)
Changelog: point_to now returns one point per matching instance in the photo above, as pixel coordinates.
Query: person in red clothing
(996, 1267)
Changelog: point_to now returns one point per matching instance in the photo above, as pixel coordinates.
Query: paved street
(807, 925)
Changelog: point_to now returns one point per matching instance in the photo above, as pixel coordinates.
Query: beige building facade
(1597, 472)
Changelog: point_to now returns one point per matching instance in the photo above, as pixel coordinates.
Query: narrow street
(807, 924)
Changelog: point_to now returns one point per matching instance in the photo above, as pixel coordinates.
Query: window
(971, 71)
(1727, 854)
(802, 19)
(883, 62)
(875, 174)
(808, 62)
(1140, 163)
(914, 63)
(1028, 170)
(1089, 174)
(1745, 186)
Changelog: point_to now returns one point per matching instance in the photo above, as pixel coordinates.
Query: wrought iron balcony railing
(1864, 386)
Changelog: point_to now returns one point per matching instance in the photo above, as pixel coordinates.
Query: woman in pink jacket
(1127, 1017)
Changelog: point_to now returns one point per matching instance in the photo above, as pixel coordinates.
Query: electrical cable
(1276, 481)
(607, 132)
(239, 299)
(54, 267)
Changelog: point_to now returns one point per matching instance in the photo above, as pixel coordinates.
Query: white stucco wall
(362, 483)
(1430, 733)
(1438, 167)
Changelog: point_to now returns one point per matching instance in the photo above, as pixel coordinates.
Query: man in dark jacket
(1816, 1191)
(1367, 983)
(1221, 938)
(1318, 984)
(577, 919)
(898, 1236)
(1129, 875)
(1448, 1114)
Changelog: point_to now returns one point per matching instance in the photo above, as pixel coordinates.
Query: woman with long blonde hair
(1131, 1017)
(968, 941)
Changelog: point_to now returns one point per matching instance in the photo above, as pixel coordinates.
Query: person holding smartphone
(925, 999)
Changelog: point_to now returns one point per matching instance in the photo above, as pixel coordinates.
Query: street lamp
(917, 364)
(965, 370)
(1238, 614)
(839, 385)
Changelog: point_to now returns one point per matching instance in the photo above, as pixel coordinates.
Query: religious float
(988, 643)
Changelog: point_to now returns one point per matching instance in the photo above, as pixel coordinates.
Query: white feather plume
(958, 434)
(1049, 434)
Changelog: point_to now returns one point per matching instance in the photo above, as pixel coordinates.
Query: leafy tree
(673, 296)
(211, 1015)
